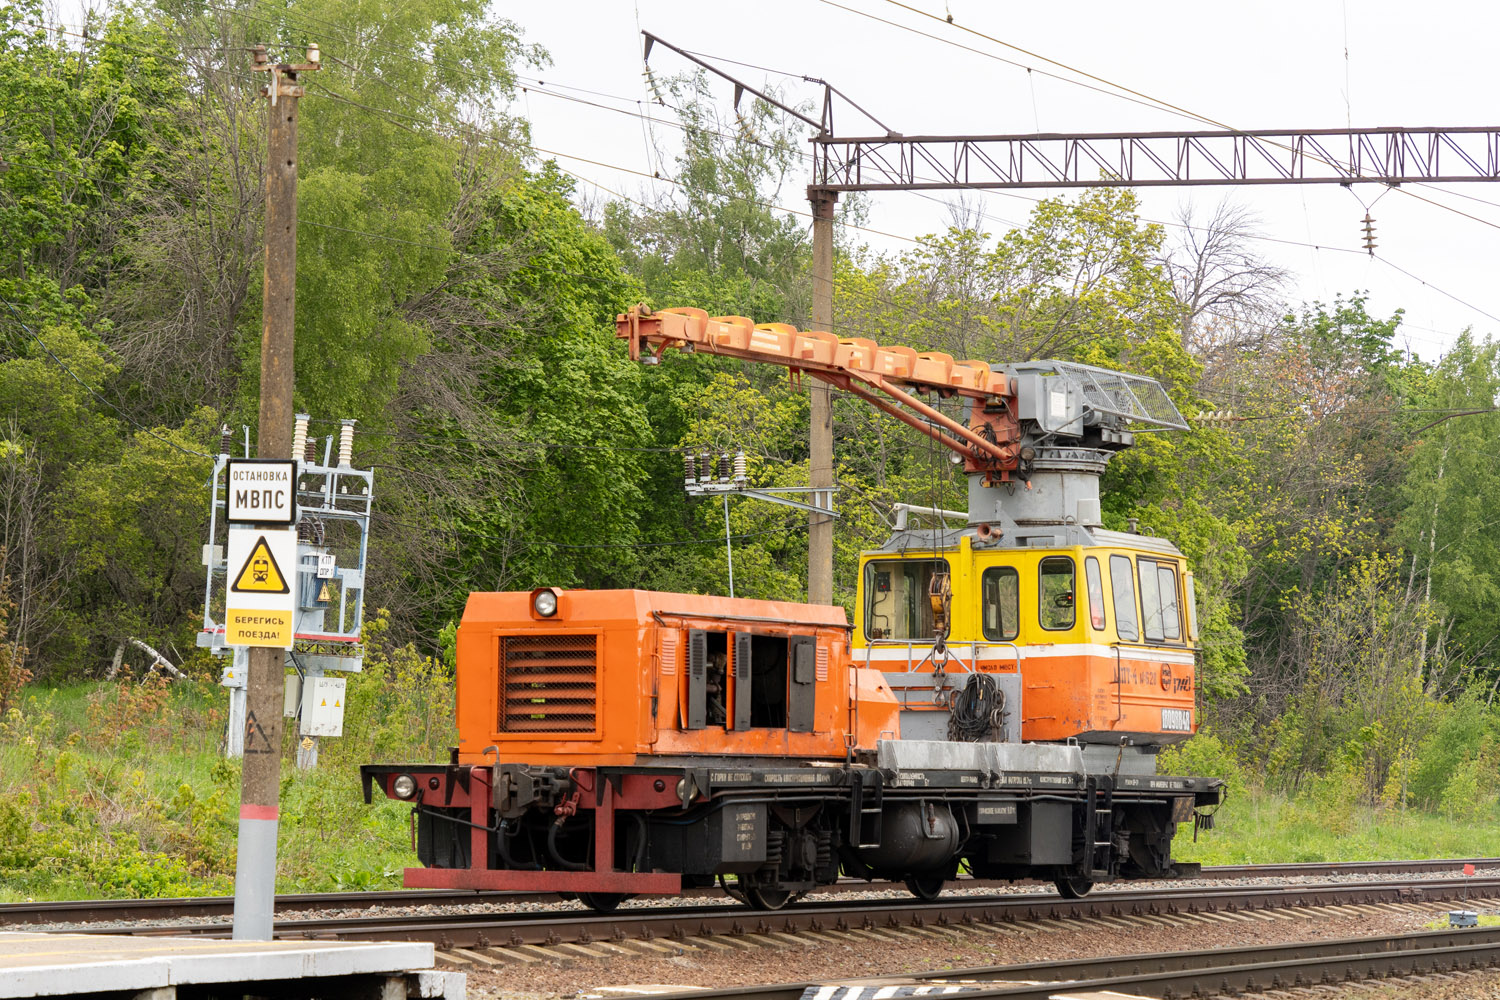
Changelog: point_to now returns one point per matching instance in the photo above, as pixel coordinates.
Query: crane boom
(1018, 414)
(857, 366)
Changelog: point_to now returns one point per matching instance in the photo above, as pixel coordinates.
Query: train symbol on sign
(260, 573)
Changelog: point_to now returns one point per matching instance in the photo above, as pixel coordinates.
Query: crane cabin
(1088, 634)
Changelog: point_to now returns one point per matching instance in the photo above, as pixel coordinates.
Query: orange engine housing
(614, 676)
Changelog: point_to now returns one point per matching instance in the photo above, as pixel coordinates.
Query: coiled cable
(977, 710)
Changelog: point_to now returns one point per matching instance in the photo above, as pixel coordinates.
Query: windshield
(897, 598)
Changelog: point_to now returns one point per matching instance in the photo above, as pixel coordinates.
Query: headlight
(405, 786)
(545, 603)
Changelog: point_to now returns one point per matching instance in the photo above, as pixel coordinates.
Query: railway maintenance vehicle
(996, 706)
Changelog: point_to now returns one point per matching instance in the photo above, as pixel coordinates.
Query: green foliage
(131, 524)
(143, 876)
(1454, 769)
(1347, 344)
(400, 707)
(1204, 754)
(1261, 827)
(1320, 400)
(1448, 523)
(13, 673)
(117, 806)
(721, 247)
(119, 789)
(770, 560)
(384, 207)
(557, 416)
(80, 128)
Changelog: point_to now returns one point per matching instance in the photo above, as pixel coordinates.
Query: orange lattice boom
(988, 442)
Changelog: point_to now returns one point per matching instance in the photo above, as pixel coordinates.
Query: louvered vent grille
(547, 683)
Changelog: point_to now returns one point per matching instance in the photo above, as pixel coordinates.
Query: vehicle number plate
(1177, 720)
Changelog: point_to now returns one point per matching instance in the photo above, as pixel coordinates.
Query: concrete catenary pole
(820, 431)
(260, 787)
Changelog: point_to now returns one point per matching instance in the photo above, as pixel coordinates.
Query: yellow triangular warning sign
(323, 593)
(325, 703)
(260, 574)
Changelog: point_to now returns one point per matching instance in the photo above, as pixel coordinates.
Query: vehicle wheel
(1073, 887)
(925, 887)
(602, 902)
(769, 899)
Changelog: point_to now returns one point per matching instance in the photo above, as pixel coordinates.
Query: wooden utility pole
(260, 786)
(820, 431)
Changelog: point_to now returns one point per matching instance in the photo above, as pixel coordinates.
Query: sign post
(260, 613)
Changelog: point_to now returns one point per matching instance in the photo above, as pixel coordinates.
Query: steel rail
(1191, 972)
(99, 910)
(1346, 868)
(531, 927)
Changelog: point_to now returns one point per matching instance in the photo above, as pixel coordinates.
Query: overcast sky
(1250, 66)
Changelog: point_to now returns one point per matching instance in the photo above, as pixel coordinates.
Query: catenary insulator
(299, 435)
(724, 467)
(310, 451)
(689, 470)
(1369, 231)
(226, 440)
(346, 443)
(739, 466)
(705, 467)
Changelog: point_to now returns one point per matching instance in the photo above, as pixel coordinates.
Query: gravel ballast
(852, 957)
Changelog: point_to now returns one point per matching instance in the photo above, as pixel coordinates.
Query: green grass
(1441, 924)
(1261, 827)
(120, 790)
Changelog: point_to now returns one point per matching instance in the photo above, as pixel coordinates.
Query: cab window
(1096, 592)
(1159, 606)
(1168, 619)
(1123, 584)
(1150, 601)
(1001, 590)
(1055, 592)
(898, 601)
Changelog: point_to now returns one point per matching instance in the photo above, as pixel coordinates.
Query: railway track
(1195, 973)
(497, 938)
(688, 924)
(205, 907)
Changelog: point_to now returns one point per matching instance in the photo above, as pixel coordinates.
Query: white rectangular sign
(260, 600)
(1177, 720)
(261, 491)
